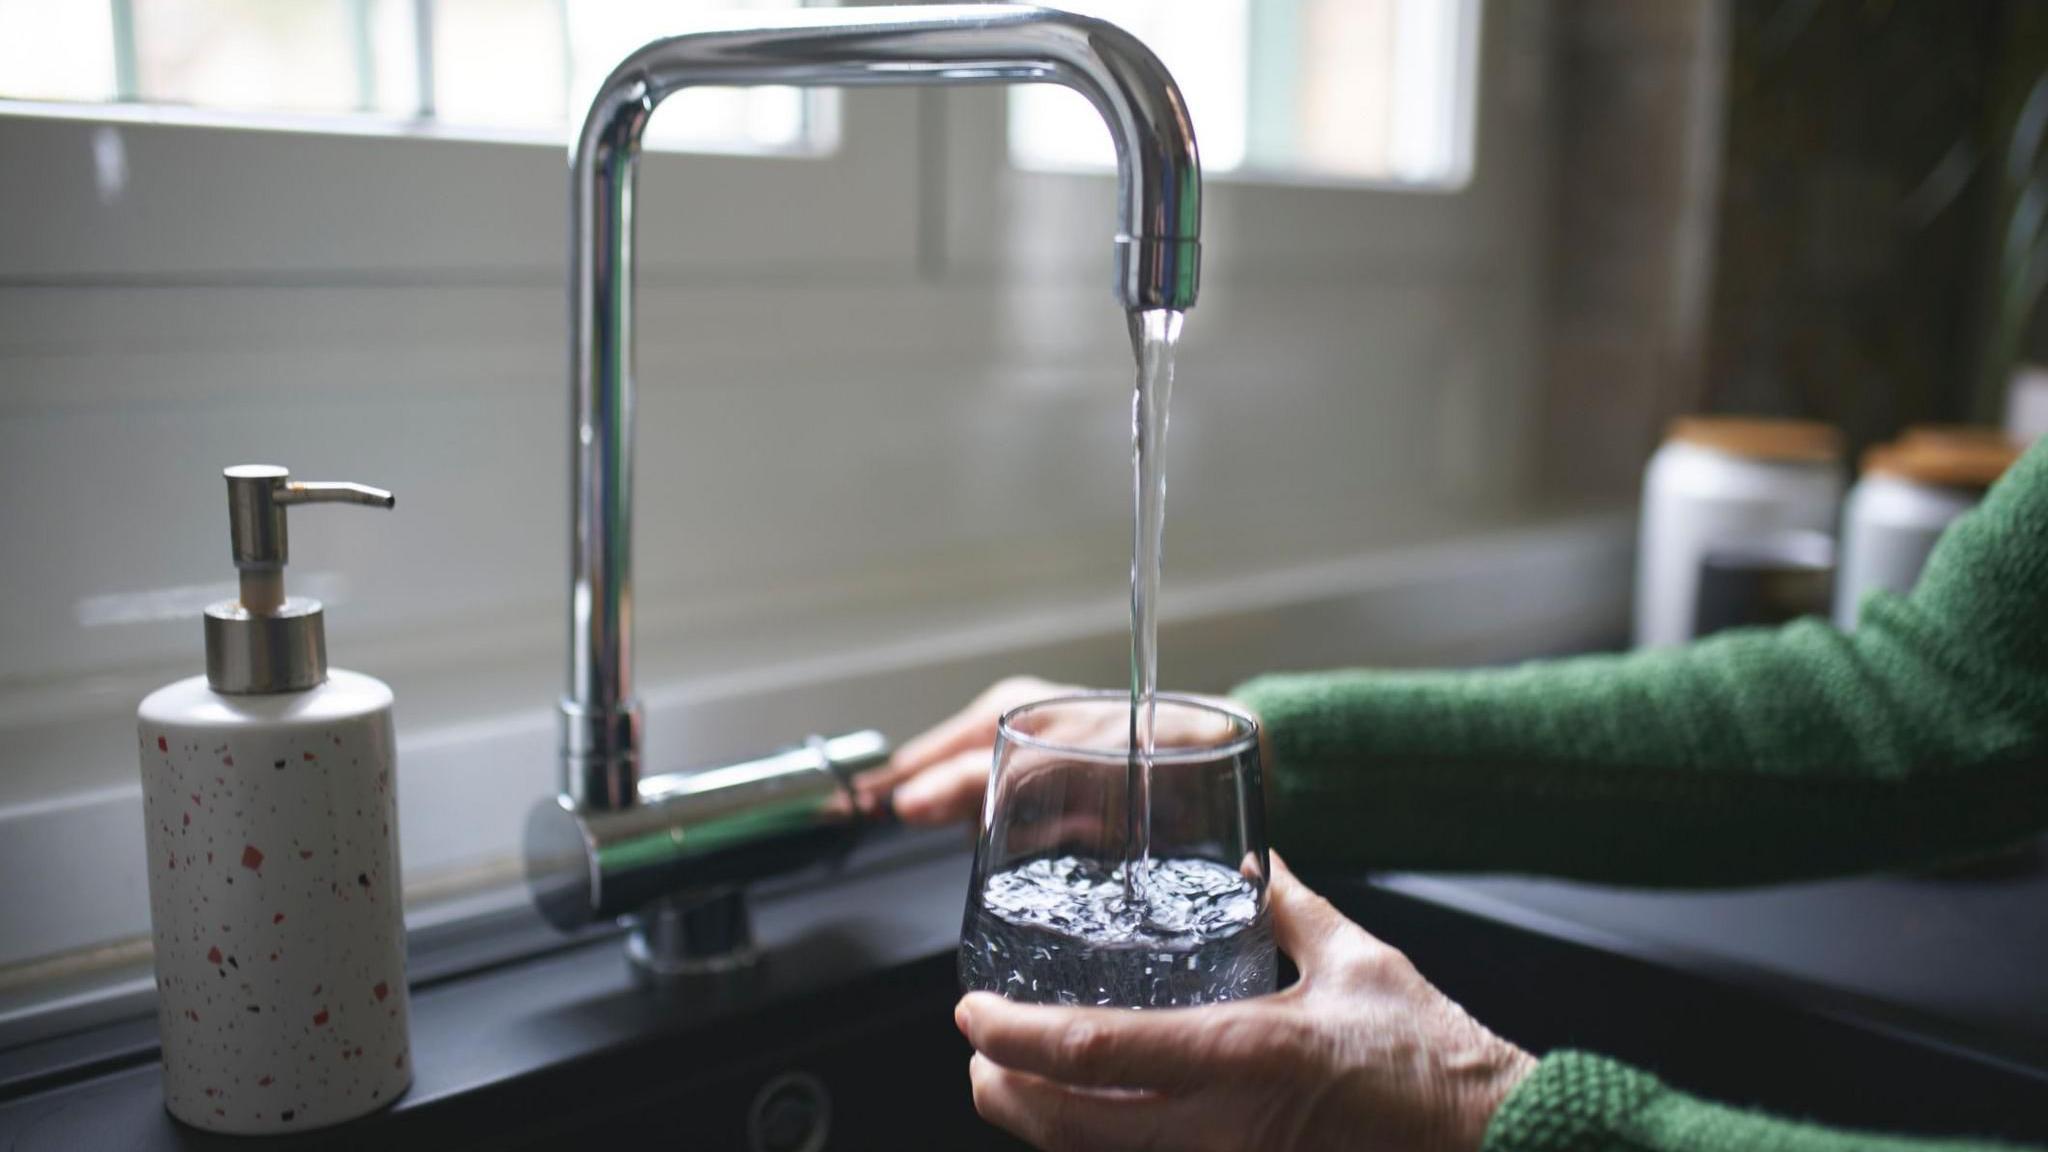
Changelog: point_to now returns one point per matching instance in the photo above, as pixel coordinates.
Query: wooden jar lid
(1762, 438)
(1957, 435)
(1944, 457)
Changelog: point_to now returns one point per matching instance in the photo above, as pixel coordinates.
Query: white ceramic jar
(1908, 495)
(1720, 481)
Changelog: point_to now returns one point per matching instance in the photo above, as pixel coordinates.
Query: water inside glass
(1048, 916)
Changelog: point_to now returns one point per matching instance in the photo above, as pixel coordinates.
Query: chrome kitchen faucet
(615, 843)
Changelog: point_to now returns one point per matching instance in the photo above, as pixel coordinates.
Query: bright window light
(51, 51)
(306, 56)
(1378, 90)
(516, 67)
(1201, 41)
(602, 32)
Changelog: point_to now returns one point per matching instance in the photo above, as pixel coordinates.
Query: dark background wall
(1638, 149)
(1820, 208)
(1860, 209)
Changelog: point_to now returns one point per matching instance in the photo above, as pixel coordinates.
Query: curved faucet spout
(1157, 261)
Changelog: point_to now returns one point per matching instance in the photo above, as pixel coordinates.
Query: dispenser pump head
(265, 641)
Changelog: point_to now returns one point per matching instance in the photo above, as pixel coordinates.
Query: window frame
(421, 118)
(1256, 224)
(1257, 173)
(436, 205)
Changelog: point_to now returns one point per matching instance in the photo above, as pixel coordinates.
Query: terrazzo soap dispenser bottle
(273, 854)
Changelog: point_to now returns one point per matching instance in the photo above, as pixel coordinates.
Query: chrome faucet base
(701, 832)
(687, 940)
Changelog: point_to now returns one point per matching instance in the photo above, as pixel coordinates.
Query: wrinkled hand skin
(1361, 1054)
(939, 777)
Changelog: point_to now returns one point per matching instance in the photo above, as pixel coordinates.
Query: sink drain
(791, 1113)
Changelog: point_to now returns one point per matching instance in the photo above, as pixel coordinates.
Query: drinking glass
(1049, 919)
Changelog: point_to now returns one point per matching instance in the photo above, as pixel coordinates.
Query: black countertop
(1909, 979)
(1961, 955)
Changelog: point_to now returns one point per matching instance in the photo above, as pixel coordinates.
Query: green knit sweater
(1748, 757)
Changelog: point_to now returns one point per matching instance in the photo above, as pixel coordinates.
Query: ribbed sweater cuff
(1298, 715)
(1572, 1102)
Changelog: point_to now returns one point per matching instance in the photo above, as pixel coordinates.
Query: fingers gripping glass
(1047, 916)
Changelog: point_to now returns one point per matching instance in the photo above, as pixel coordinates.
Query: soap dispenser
(273, 853)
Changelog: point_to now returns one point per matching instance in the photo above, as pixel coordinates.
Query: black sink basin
(874, 1065)
(841, 1038)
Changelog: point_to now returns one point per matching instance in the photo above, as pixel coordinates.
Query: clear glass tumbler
(1049, 919)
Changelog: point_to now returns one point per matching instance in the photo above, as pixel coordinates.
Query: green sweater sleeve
(1752, 756)
(1576, 1102)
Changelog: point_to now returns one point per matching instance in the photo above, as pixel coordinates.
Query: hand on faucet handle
(939, 777)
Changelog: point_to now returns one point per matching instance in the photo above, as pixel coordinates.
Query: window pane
(1364, 89)
(523, 67)
(602, 32)
(534, 64)
(500, 64)
(1203, 42)
(270, 55)
(56, 51)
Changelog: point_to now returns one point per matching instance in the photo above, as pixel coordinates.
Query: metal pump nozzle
(265, 641)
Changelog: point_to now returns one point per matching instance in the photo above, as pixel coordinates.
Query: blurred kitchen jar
(1910, 491)
(1718, 481)
(1760, 581)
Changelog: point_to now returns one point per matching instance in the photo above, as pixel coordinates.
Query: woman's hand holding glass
(1361, 1053)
